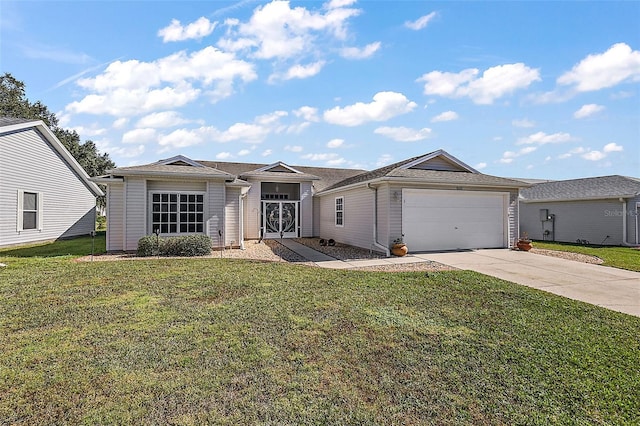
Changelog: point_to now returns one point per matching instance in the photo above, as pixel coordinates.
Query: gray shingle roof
(10, 121)
(587, 188)
(328, 176)
(161, 169)
(427, 176)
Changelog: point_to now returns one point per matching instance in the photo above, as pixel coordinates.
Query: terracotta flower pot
(399, 249)
(524, 245)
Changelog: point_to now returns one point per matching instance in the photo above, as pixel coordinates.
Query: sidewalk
(324, 261)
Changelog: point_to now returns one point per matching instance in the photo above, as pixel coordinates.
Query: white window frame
(21, 211)
(178, 223)
(338, 210)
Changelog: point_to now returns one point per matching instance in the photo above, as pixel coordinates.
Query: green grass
(75, 247)
(223, 341)
(617, 257)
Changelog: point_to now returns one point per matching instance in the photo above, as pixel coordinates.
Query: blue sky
(519, 89)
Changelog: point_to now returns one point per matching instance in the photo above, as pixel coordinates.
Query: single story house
(600, 210)
(44, 193)
(433, 201)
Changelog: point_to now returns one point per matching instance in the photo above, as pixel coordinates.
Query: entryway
(280, 219)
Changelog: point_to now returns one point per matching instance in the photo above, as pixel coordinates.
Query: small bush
(187, 245)
(101, 223)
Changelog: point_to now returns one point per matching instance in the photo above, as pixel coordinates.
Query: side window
(340, 211)
(29, 210)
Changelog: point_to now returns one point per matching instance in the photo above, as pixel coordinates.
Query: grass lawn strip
(233, 341)
(614, 256)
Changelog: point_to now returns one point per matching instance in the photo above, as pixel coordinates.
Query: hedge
(186, 245)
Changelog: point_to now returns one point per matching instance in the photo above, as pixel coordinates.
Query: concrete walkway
(612, 288)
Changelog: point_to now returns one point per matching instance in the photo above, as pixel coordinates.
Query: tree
(14, 103)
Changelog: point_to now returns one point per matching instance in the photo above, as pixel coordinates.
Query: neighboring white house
(435, 201)
(44, 193)
(599, 210)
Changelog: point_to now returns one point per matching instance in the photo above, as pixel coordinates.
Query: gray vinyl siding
(176, 186)
(306, 210)
(633, 221)
(29, 163)
(135, 221)
(115, 217)
(252, 212)
(215, 215)
(316, 216)
(232, 215)
(358, 217)
(592, 221)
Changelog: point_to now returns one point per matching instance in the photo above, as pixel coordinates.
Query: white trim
(439, 153)
(19, 217)
(40, 212)
(335, 211)
(20, 211)
(278, 164)
(637, 214)
(178, 158)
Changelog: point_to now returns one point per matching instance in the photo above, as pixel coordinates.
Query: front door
(280, 219)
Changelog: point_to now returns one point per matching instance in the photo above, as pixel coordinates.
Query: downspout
(377, 244)
(241, 201)
(624, 222)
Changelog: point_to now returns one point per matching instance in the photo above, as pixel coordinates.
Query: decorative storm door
(280, 219)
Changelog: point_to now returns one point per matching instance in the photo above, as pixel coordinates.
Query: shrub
(187, 245)
(101, 223)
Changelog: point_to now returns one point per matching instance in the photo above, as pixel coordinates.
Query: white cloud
(480, 166)
(572, 152)
(509, 156)
(329, 159)
(298, 72)
(599, 71)
(294, 148)
(594, 155)
(175, 31)
(161, 119)
(224, 156)
(421, 22)
(308, 113)
(267, 152)
(335, 143)
(445, 116)
(385, 105)
(612, 147)
(525, 123)
(404, 134)
(244, 152)
(277, 31)
(494, 83)
(384, 160)
(120, 123)
(587, 110)
(360, 53)
(133, 87)
(139, 136)
(541, 138)
(88, 132)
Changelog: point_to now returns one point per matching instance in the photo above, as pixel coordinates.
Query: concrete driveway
(611, 288)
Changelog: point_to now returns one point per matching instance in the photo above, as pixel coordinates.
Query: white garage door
(450, 220)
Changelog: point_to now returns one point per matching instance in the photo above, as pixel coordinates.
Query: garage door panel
(448, 220)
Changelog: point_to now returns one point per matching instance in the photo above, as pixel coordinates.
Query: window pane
(173, 198)
(199, 227)
(29, 220)
(192, 198)
(30, 201)
(165, 198)
(199, 198)
(156, 198)
(183, 198)
(199, 207)
(183, 227)
(173, 228)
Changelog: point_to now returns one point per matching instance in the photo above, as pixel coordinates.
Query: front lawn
(223, 341)
(617, 257)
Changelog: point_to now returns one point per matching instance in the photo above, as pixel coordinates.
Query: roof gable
(440, 161)
(179, 160)
(278, 167)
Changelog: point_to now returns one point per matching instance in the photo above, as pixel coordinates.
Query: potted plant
(524, 243)
(399, 248)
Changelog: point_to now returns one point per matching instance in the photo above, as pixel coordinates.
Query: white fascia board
(564, 200)
(105, 180)
(277, 164)
(440, 153)
(170, 175)
(182, 158)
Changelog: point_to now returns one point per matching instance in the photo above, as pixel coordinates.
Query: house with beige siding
(44, 193)
(434, 202)
(600, 210)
